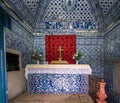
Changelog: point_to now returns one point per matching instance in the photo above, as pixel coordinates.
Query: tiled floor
(55, 98)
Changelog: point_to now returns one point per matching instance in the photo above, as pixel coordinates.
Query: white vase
(38, 62)
(77, 61)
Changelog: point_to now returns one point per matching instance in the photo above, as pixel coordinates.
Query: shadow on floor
(52, 98)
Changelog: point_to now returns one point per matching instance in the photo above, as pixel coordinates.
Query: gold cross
(60, 53)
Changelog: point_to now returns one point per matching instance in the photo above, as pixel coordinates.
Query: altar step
(52, 98)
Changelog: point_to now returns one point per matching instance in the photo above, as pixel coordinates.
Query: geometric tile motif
(57, 83)
(56, 11)
(29, 10)
(111, 54)
(92, 50)
(113, 98)
(57, 18)
(32, 5)
(106, 5)
(112, 16)
(22, 11)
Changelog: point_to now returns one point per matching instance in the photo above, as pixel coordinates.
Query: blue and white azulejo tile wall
(19, 38)
(92, 53)
(111, 54)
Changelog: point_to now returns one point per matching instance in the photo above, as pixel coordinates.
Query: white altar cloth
(57, 69)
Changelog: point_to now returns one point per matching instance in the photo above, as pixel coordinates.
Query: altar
(57, 79)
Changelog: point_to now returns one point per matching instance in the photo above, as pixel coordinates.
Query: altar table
(57, 79)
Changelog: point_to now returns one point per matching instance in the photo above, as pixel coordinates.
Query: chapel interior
(40, 34)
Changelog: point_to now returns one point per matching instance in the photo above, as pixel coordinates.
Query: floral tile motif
(57, 83)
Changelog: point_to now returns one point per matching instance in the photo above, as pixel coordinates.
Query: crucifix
(60, 53)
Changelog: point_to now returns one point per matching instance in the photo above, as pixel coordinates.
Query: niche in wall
(13, 60)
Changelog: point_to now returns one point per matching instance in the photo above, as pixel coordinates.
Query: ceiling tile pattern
(97, 13)
(22, 11)
(113, 15)
(32, 5)
(43, 5)
(56, 11)
(106, 5)
(82, 12)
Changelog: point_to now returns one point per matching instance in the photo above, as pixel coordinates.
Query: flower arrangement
(38, 56)
(77, 56)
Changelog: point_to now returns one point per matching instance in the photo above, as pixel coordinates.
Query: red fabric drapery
(68, 43)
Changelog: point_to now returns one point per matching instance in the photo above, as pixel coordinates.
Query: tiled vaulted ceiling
(37, 12)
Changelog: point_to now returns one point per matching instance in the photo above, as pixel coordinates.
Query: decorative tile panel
(59, 26)
(97, 13)
(92, 50)
(32, 5)
(113, 15)
(106, 5)
(22, 11)
(57, 83)
(58, 19)
(56, 11)
(111, 54)
(86, 14)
